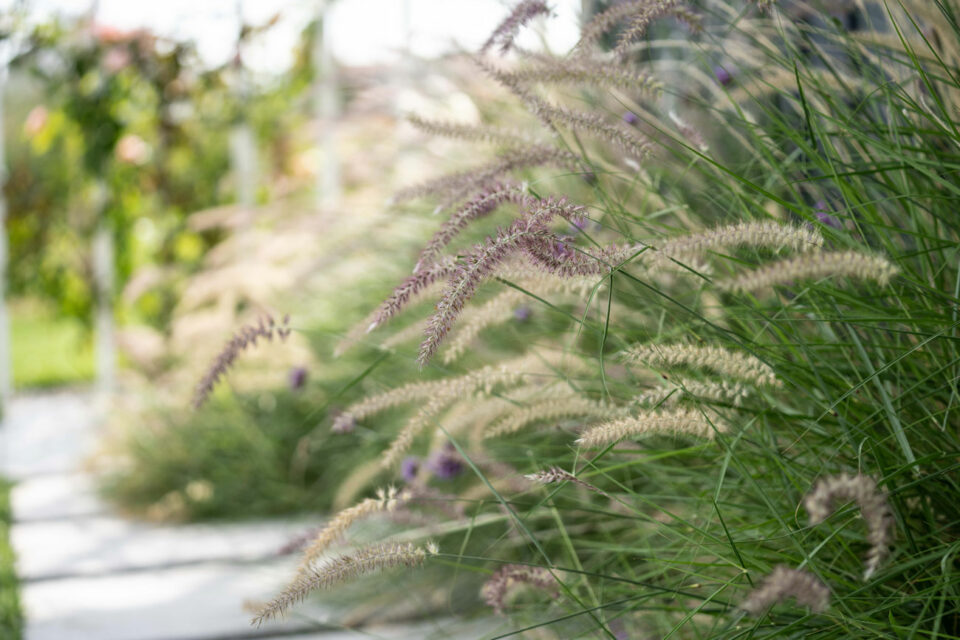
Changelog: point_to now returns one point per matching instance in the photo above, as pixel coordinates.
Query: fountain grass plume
(480, 263)
(364, 561)
(584, 71)
(503, 306)
(386, 501)
(741, 366)
(637, 15)
(552, 409)
(874, 507)
(483, 204)
(475, 133)
(246, 337)
(506, 31)
(555, 475)
(675, 421)
(783, 583)
(497, 588)
(411, 286)
(460, 183)
(846, 264)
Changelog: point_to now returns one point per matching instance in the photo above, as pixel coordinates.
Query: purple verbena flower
(446, 463)
(821, 211)
(409, 468)
(723, 76)
(521, 314)
(562, 248)
(298, 378)
(630, 117)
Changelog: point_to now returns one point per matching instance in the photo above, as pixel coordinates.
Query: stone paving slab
(60, 495)
(47, 433)
(102, 544)
(203, 601)
(88, 575)
(441, 629)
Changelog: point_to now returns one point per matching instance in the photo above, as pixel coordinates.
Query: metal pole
(326, 108)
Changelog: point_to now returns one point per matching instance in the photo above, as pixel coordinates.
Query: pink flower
(36, 120)
(131, 149)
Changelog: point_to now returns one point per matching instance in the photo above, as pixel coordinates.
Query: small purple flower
(409, 468)
(446, 463)
(630, 117)
(298, 378)
(562, 249)
(723, 76)
(821, 211)
(521, 314)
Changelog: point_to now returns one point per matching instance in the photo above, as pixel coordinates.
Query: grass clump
(680, 511)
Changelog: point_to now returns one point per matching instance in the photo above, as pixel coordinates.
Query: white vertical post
(103, 276)
(105, 354)
(243, 154)
(326, 109)
(6, 370)
(243, 145)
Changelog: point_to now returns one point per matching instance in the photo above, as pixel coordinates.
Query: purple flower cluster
(298, 378)
(446, 463)
(723, 76)
(409, 468)
(821, 210)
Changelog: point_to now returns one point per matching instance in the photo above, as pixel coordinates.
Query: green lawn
(48, 350)
(11, 619)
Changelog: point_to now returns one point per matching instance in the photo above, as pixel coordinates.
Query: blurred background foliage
(129, 130)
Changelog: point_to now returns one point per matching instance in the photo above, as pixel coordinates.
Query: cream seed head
(783, 583)
(674, 422)
(830, 491)
(552, 409)
(766, 235)
(364, 561)
(813, 266)
(740, 366)
(495, 591)
(386, 501)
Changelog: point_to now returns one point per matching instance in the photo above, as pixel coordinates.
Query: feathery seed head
(506, 31)
(387, 500)
(783, 583)
(815, 265)
(246, 337)
(554, 475)
(364, 561)
(504, 579)
(676, 421)
(874, 508)
(741, 366)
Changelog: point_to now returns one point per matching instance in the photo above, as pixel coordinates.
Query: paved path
(87, 574)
